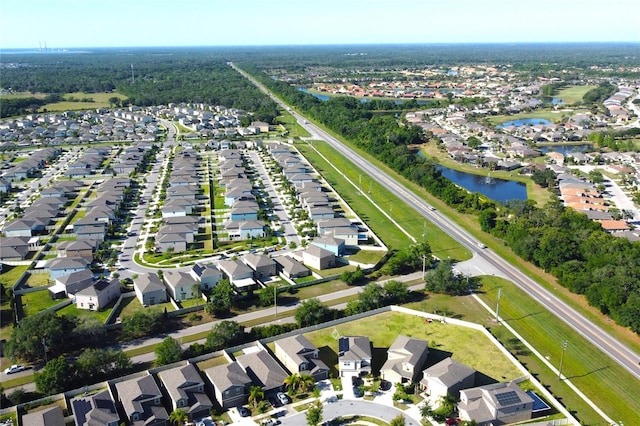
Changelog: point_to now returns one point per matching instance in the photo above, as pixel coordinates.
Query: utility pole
(498, 305)
(424, 265)
(564, 348)
(275, 299)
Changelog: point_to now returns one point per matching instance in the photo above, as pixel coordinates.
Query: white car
(14, 369)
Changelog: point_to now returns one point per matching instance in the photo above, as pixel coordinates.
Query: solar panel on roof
(343, 344)
(508, 398)
(81, 407)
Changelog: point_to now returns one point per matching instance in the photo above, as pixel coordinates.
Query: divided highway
(617, 351)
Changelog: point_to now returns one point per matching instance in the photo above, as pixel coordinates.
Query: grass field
(100, 100)
(573, 94)
(37, 301)
(295, 130)
(391, 235)
(131, 305)
(73, 312)
(547, 114)
(608, 385)
(38, 280)
(463, 344)
(10, 274)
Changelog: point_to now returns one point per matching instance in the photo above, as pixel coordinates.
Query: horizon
(78, 24)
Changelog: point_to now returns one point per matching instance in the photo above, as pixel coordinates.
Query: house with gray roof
(263, 370)
(96, 409)
(300, 356)
(77, 248)
(495, 404)
(72, 283)
(171, 242)
(141, 401)
(52, 416)
(14, 248)
(65, 265)
(405, 359)
(149, 289)
(238, 273)
(330, 243)
(186, 391)
(318, 258)
(447, 377)
(180, 284)
(354, 355)
(291, 268)
(208, 275)
(98, 295)
(262, 265)
(230, 384)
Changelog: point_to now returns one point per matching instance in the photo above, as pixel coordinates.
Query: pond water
(523, 122)
(495, 189)
(565, 149)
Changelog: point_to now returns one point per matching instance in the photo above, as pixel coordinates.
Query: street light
(498, 305)
(275, 299)
(564, 348)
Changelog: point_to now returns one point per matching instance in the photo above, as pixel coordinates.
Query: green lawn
(38, 301)
(291, 124)
(573, 94)
(367, 256)
(100, 100)
(463, 344)
(73, 312)
(213, 362)
(131, 305)
(608, 385)
(403, 214)
(10, 274)
(547, 114)
(38, 280)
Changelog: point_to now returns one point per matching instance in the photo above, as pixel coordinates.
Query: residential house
(171, 243)
(300, 356)
(77, 248)
(263, 370)
(180, 285)
(21, 228)
(495, 404)
(291, 268)
(185, 388)
(93, 232)
(70, 284)
(149, 289)
(65, 265)
(13, 248)
(141, 400)
(230, 384)
(447, 377)
(318, 258)
(52, 416)
(98, 295)
(96, 409)
(208, 275)
(262, 265)
(405, 359)
(354, 355)
(330, 243)
(238, 273)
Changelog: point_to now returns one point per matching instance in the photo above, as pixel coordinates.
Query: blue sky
(116, 23)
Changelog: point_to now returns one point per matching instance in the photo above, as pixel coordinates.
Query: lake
(499, 190)
(565, 149)
(523, 122)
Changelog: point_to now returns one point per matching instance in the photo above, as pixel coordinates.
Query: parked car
(357, 392)
(244, 411)
(284, 399)
(14, 369)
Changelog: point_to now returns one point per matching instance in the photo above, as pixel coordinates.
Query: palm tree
(255, 395)
(307, 382)
(178, 416)
(292, 382)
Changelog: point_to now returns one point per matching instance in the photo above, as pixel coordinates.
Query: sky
(62, 24)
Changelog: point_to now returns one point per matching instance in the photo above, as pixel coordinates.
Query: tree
(37, 333)
(96, 363)
(178, 416)
(307, 382)
(314, 414)
(168, 351)
(441, 279)
(292, 382)
(221, 298)
(142, 323)
(426, 410)
(311, 312)
(255, 395)
(396, 292)
(224, 334)
(54, 377)
(397, 421)
(266, 296)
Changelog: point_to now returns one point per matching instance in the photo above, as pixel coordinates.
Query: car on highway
(482, 246)
(15, 368)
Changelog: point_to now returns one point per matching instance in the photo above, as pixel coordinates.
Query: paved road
(599, 337)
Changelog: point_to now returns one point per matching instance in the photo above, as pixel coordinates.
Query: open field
(295, 130)
(463, 344)
(100, 100)
(573, 94)
(404, 215)
(10, 274)
(37, 301)
(131, 305)
(74, 312)
(21, 95)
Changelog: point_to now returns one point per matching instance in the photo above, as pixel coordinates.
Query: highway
(617, 351)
